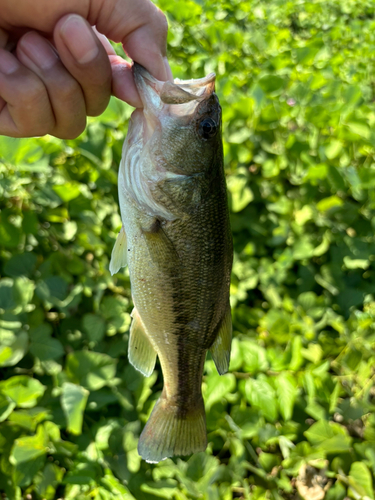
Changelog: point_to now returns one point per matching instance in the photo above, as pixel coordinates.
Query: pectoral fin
(160, 247)
(220, 349)
(140, 351)
(119, 253)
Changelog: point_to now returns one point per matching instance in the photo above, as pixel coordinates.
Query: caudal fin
(170, 432)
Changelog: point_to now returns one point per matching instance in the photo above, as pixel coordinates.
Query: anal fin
(119, 257)
(140, 351)
(220, 349)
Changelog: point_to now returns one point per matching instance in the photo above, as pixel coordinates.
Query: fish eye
(207, 128)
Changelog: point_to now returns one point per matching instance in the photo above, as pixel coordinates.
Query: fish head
(181, 129)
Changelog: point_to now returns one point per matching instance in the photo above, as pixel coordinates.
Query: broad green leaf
(360, 481)
(261, 394)
(21, 264)
(94, 326)
(43, 346)
(253, 356)
(360, 128)
(23, 390)
(329, 203)
(67, 191)
(13, 347)
(84, 473)
(218, 386)
(238, 186)
(331, 437)
(7, 405)
(28, 448)
(92, 370)
(73, 402)
(333, 149)
(47, 480)
(286, 389)
(6, 294)
(29, 418)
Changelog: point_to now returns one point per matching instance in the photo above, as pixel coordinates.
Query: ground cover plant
(294, 418)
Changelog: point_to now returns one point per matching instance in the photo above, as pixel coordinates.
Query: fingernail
(38, 50)
(79, 38)
(8, 63)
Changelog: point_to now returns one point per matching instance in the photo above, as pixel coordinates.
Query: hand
(61, 70)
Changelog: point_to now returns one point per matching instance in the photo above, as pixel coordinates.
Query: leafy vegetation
(295, 415)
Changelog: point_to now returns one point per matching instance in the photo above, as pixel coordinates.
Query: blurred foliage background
(294, 418)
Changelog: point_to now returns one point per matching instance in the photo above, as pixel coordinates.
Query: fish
(176, 240)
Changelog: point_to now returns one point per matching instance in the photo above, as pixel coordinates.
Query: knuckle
(32, 93)
(70, 90)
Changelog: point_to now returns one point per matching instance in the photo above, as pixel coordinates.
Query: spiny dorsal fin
(220, 349)
(140, 351)
(119, 257)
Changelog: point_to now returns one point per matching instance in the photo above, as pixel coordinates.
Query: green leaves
(217, 387)
(28, 456)
(43, 346)
(28, 448)
(73, 402)
(329, 436)
(261, 394)
(24, 391)
(240, 191)
(94, 326)
(286, 389)
(360, 481)
(90, 369)
(7, 405)
(296, 88)
(68, 191)
(13, 346)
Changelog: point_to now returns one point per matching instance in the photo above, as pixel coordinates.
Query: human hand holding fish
(54, 69)
(175, 237)
(177, 243)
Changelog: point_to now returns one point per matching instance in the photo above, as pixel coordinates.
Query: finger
(123, 86)
(147, 45)
(27, 112)
(64, 92)
(139, 25)
(86, 60)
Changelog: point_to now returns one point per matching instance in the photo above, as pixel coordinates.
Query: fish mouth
(181, 96)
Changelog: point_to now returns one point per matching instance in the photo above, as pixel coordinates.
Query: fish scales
(179, 251)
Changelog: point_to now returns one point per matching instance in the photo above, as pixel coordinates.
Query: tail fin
(170, 432)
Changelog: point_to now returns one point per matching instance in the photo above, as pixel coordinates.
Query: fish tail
(170, 431)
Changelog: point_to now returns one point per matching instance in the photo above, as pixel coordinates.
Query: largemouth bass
(177, 243)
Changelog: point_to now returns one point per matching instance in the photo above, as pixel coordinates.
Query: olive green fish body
(179, 253)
